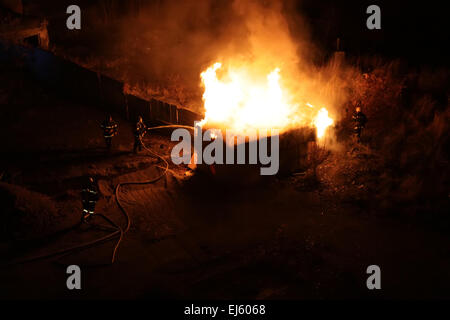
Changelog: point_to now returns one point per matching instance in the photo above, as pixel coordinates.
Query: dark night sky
(416, 31)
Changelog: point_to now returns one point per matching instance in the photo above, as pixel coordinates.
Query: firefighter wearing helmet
(110, 129)
(139, 132)
(359, 120)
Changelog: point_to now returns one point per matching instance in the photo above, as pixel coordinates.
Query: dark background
(304, 237)
(415, 31)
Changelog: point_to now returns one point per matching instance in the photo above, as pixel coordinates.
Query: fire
(240, 100)
(322, 122)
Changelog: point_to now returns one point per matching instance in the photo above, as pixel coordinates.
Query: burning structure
(242, 101)
(247, 67)
(263, 85)
(246, 105)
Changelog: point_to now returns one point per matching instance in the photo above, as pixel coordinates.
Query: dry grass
(408, 130)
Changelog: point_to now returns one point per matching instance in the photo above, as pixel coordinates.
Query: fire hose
(118, 231)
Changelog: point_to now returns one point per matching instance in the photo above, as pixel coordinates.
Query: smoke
(169, 43)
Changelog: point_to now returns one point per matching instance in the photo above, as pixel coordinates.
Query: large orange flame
(322, 121)
(239, 101)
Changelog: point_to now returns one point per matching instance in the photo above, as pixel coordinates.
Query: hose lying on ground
(118, 230)
(148, 181)
(66, 251)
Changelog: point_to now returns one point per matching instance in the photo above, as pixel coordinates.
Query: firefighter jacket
(110, 128)
(139, 130)
(360, 119)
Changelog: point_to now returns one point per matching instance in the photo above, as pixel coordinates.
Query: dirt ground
(191, 236)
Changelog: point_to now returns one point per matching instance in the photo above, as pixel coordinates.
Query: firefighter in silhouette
(110, 129)
(139, 132)
(359, 120)
(89, 196)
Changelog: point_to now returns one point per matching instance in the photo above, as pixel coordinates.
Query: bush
(409, 127)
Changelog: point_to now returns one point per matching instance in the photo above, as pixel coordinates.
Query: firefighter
(110, 129)
(139, 132)
(360, 121)
(89, 196)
